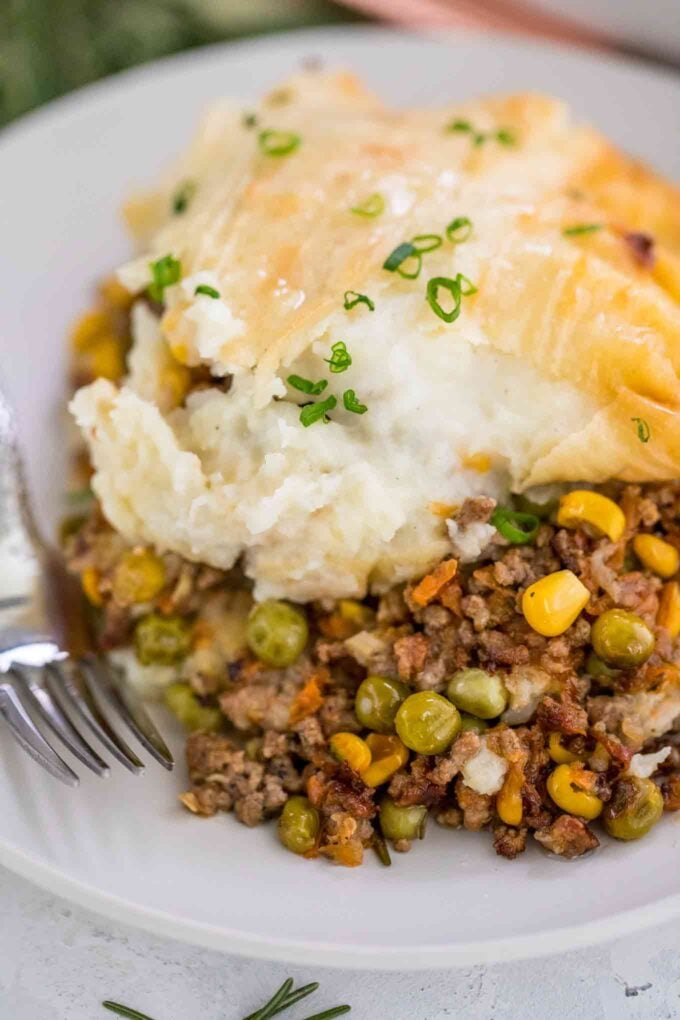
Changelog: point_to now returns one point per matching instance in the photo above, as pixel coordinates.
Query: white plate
(653, 25)
(123, 847)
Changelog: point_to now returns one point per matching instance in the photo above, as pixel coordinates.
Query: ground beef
(477, 808)
(478, 509)
(567, 836)
(411, 652)
(509, 842)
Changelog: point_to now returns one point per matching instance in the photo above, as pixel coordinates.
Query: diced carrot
(350, 855)
(309, 699)
(430, 586)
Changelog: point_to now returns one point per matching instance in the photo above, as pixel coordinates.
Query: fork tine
(82, 701)
(26, 733)
(132, 712)
(46, 704)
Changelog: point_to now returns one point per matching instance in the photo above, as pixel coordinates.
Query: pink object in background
(489, 15)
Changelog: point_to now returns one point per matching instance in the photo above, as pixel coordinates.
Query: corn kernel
(584, 507)
(115, 294)
(88, 328)
(174, 382)
(389, 755)
(356, 612)
(669, 609)
(567, 785)
(180, 352)
(352, 749)
(552, 603)
(657, 555)
(558, 752)
(138, 577)
(89, 580)
(509, 799)
(479, 462)
(105, 358)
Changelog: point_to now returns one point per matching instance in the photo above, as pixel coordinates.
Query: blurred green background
(48, 47)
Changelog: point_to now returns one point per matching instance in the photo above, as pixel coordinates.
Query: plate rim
(355, 956)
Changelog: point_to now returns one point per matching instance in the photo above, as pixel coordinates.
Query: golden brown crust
(583, 310)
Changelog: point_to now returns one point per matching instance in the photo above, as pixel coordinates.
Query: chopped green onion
(165, 272)
(311, 413)
(340, 358)
(182, 197)
(517, 527)
(373, 206)
(461, 126)
(405, 250)
(427, 242)
(479, 138)
(581, 228)
(643, 430)
(349, 399)
(278, 143)
(458, 288)
(204, 288)
(249, 120)
(459, 229)
(306, 385)
(353, 298)
(506, 137)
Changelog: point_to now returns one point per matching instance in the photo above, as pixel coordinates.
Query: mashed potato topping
(525, 376)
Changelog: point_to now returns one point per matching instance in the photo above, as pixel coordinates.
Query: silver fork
(52, 682)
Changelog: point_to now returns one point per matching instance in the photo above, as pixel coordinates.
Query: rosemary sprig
(269, 1008)
(125, 1011)
(330, 1013)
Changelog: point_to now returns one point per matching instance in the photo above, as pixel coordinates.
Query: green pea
(635, 807)
(470, 723)
(600, 671)
(377, 701)
(399, 822)
(162, 640)
(427, 723)
(298, 825)
(478, 692)
(621, 639)
(186, 707)
(277, 633)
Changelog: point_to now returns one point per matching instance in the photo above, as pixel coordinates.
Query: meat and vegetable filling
(533, 692)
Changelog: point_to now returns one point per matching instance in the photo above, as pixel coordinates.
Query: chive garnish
(349, 399)
(427, 242)
(204, 288)
(249, 120)
(506, 137)
(461, 126)
(125, 1011)
(517, 527)
(311, 413)
(394, 261)
(182, 197)
(459, 229)
(581, 228)
(353, 298)
(278, 143)
(340, 358)
(165, 272)
(458, 288)
(306, 385)
(643, 430)
(373, 206)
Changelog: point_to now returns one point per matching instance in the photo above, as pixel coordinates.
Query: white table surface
(57, 962)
